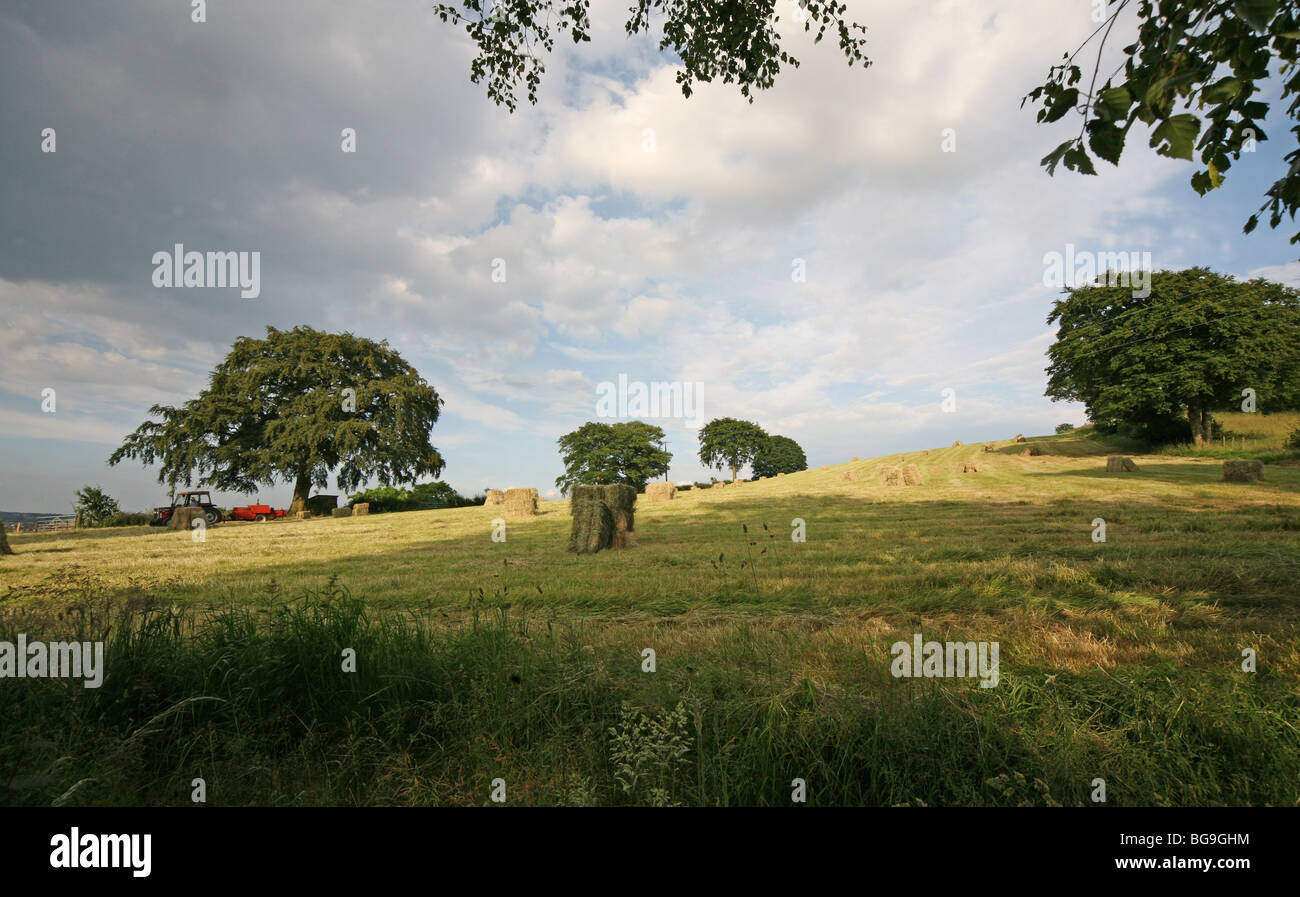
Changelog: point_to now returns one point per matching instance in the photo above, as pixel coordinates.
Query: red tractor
(188, 500)
(256, 512)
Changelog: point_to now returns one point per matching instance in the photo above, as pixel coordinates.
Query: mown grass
(478, 660)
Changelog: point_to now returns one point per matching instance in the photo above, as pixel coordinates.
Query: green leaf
(1052, 159)
(1256, 13)
(1222, 91)
(1078, 160)
(1106, 140)
(1176, 136)
(1113, 103)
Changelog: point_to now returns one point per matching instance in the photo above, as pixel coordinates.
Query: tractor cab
(196, 499)
(192, 500)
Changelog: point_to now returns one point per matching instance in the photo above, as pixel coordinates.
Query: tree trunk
(734, 471)
(1194, 415)
(301, 488)
(1207, 426)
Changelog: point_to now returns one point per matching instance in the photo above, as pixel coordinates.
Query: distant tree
(631, 452)
(732, 41)
(1198, 73)
(1064, 428)
(1196, 345)
(780, 454)
(95, 504)
(294, 407)
(727, 442)
(423, 497)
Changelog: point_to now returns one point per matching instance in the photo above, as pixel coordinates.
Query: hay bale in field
(911, 476)
(1243, 471)
(660, 491)
(4, 540)
(495, 497)
(1030, 452)
(891, 476)
(988, 448)
(957, 443)
(780, 474)
(593, 524)
(969, 468)
(846, 476)
(1130, 466)
(621, 501)
(181, 517)
(1120, 464)
(342, 512)
(521, 502)
(302, 515)
(855, 458)
(361, 509)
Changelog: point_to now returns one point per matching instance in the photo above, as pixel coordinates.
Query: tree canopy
(736, 41)
(1194, 75)
(631, 452)
(294, 407)
(780, 454)
(1194, 346)
(94, 503)
(727, 442)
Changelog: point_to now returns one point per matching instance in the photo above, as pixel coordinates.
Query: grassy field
(480, 660)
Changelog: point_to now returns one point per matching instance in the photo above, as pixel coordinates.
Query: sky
(826, 261)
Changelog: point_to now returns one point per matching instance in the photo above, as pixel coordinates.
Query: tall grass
(254, 700)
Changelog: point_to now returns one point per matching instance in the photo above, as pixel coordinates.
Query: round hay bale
(1031, 451)
(855, 458)
(593, 524)
(911, 475)
(4, 540)
(957, 443)
(780, 474)
(987, 447)
(521, 502)
(1243, 471)
(660, 491)
(495, 497)
(1020, 437)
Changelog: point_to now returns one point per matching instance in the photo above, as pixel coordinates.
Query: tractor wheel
(260, 518)
(212, 516)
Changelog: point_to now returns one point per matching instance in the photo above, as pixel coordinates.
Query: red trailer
(256, 512)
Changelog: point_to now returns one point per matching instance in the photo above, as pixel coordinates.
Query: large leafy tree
(1194, 74)
(780, 454)
(735, 41)
(294, 407)
(631, 452)
(1192, 347)
(727, 442)
(94, 503)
